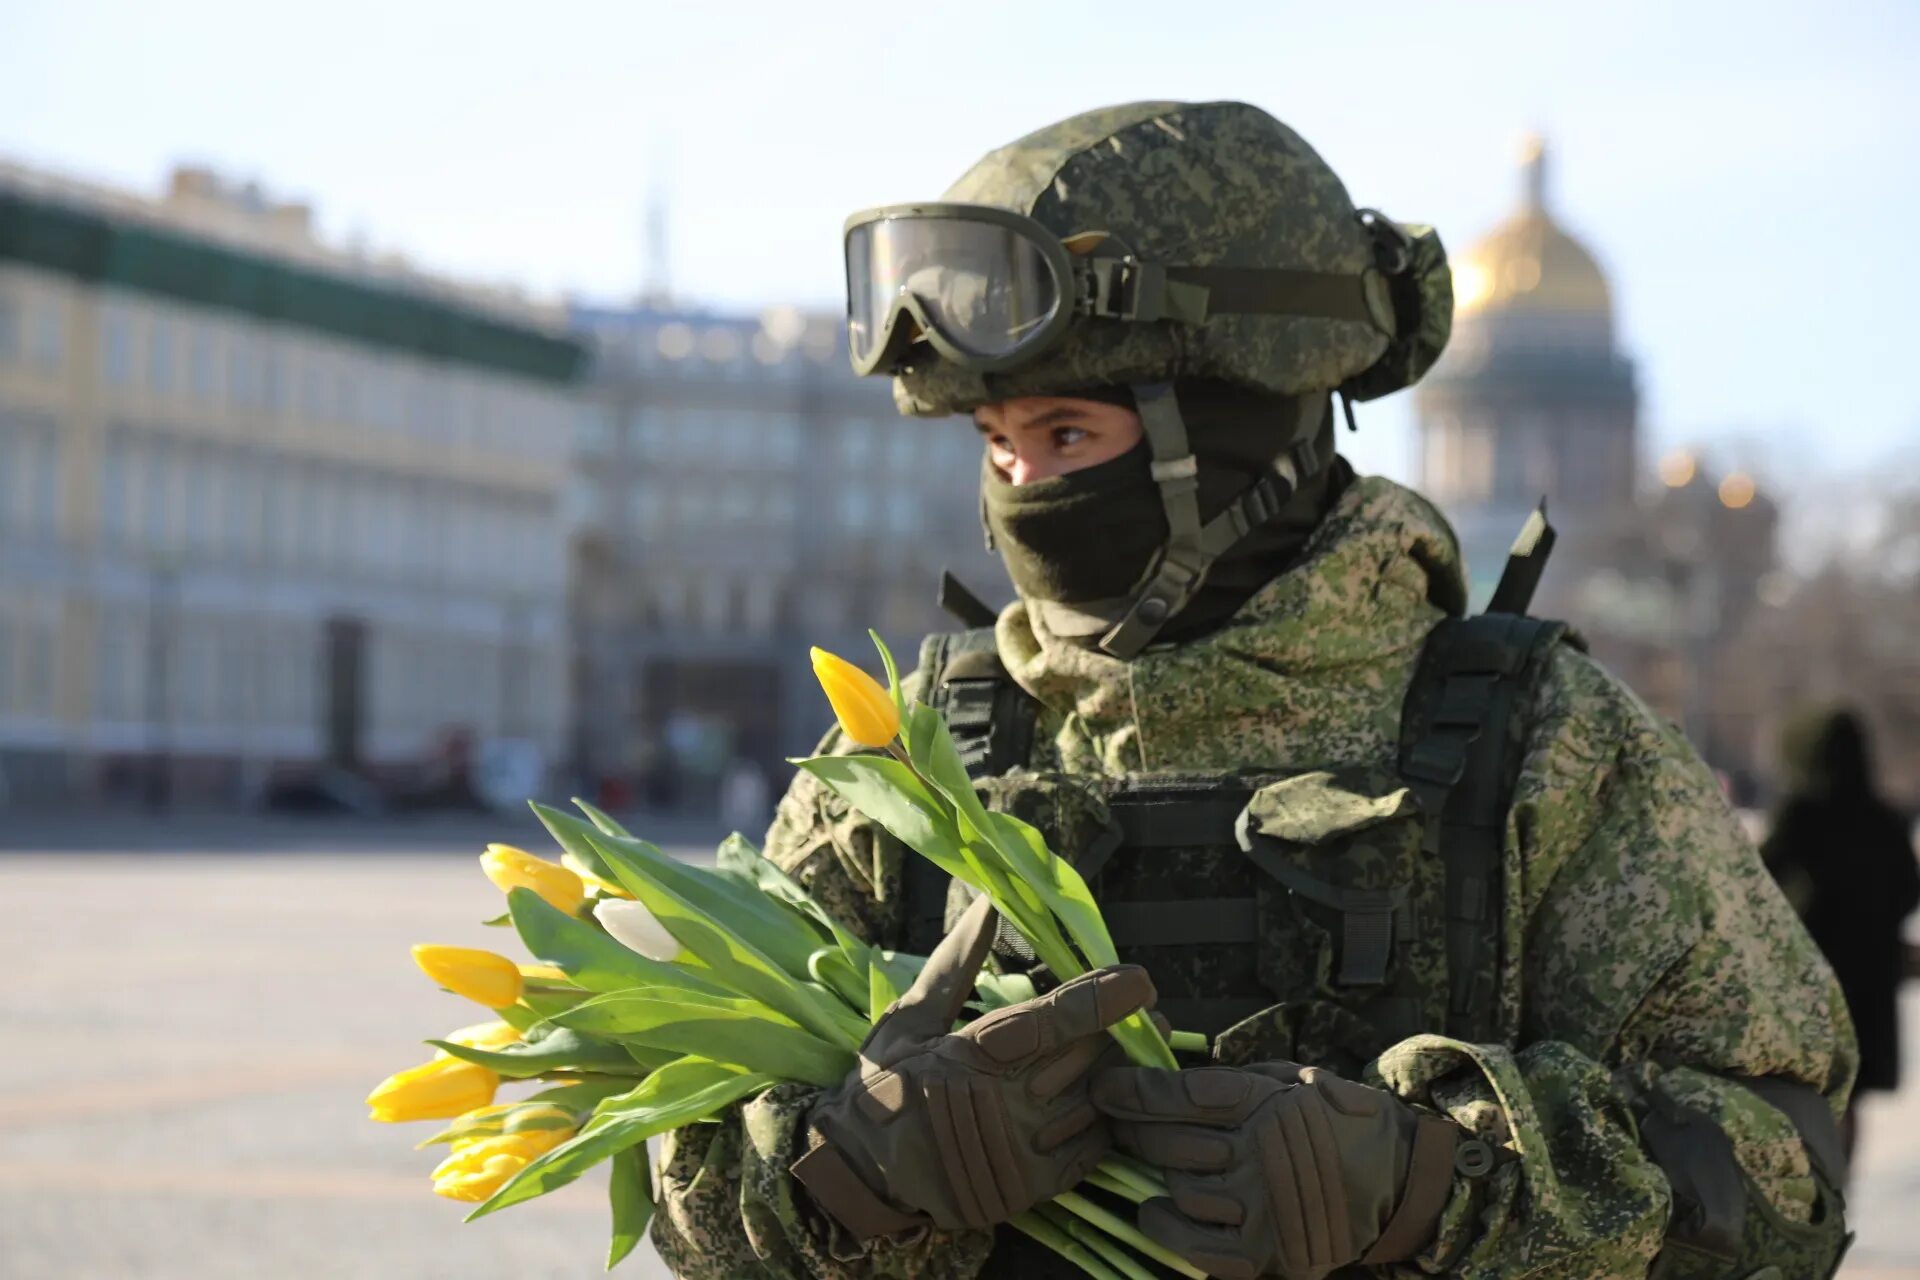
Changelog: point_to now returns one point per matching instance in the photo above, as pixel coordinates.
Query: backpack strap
(1460, 726)
(992, 719)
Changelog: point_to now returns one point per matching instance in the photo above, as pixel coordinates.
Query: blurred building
(1535, 399)
(263, 503)
(741, 496)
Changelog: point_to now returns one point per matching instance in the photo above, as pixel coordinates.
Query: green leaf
(739, 853)
(706, 915)
(998, 990)
(630, 1193)
(585, 952)
(891, 794)
(500, 921)
(881, 991)
(832, 970)
(679, 1093)
(562, 1049)
(601, 820)
(741, 1033)
(776, 932)
(893, 672)
(737, 860)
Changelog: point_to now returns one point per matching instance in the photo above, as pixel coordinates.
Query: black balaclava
(1087, 537)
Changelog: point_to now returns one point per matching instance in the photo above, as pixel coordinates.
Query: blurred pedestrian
(1844, 858)
(744, 797)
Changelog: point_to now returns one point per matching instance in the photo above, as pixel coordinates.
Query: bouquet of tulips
(664, 993)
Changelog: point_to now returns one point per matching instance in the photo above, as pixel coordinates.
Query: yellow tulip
(510, 868)
(544, 973)
(862, 704)
(481, 1035)
(592, 881)
(437, 1090)
(479, 1169)
(480, 976)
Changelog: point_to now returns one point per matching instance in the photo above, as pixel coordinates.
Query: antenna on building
(1533, 170)
(656, 286)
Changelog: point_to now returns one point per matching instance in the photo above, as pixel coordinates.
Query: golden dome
(1527, 263)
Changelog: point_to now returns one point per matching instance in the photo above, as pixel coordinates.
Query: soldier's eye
(1067, 437)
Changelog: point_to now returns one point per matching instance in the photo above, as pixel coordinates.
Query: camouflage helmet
(1147, 246)
(1218, 186)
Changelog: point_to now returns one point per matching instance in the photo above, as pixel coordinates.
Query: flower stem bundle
(664, 993)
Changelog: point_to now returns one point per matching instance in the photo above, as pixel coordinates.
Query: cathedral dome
(1528, 265)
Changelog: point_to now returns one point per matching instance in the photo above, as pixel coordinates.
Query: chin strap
(1191, 547)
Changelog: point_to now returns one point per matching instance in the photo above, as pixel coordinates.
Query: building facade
(1533, 398)
(1658, 567)
(263, 505)
(742, 496)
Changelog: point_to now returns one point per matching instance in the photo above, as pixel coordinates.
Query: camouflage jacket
(1645, 950)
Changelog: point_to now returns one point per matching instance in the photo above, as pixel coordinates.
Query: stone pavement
(185, 1041)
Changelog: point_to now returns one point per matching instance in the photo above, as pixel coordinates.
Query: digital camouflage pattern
(1209, 184)
(1644, 947)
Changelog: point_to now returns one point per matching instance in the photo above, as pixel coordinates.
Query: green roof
(151, 260)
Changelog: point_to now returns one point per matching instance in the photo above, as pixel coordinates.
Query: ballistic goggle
(989, 289)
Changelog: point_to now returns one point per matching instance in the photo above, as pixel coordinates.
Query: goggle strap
(1127, 289)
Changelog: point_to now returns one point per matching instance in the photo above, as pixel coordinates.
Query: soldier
(1494, 984)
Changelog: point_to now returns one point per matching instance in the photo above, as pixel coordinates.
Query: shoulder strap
(1459, 725)
(992, 719)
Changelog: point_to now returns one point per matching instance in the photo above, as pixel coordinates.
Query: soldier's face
(1034, 437)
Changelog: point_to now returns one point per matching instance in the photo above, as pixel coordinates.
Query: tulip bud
(437, 1090)
(481, 1168)
(510, 868)
(544, 973)
(864, 708)
(481, 1035)
(637, 929)
(480, 976)
(592, 881)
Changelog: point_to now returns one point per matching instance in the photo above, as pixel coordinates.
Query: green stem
(1136, 1173)
(1108, 1249)
(1065, 1245)
(1188, 1042)
(1124, 1231)
(1115, 1187)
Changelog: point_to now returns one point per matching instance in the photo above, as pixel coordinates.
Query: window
(203, 362)
(157, 499)
(116, 344)
(160, 356)
(113, 490)
(12, 309)
(47, 335)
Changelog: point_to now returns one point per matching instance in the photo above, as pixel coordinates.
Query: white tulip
(637, 929)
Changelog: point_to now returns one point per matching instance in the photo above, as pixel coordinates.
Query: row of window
(195, 356)
(29, 482)
(28, 640)
(166, 497)
(33, 327)
(234, 671)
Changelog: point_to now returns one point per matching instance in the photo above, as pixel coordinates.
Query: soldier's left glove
(1281, 1169)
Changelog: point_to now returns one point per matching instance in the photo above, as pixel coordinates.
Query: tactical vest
(1323, 915)
(1319, 915)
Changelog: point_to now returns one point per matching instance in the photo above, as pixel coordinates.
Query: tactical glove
(1281, 1169)
(968, 1128)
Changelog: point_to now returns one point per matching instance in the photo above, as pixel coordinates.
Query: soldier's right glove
(968, 1128)
(1280, 1169)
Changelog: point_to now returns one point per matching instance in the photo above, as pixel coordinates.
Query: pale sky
(1746, 173)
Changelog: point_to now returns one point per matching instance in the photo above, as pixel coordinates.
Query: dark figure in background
(1843, 857)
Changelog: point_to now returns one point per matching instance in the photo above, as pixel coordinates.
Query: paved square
(188, 1038)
